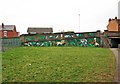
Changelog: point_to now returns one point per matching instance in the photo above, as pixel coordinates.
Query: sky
(61, 15)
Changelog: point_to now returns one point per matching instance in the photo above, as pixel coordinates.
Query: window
(5, 33)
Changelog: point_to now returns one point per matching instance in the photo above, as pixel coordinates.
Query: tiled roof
(40, 30)
(7, 27)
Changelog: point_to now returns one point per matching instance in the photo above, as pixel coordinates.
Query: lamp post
(119, 16)
(79, 21)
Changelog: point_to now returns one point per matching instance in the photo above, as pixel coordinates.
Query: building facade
(8, 31)
(113, 24)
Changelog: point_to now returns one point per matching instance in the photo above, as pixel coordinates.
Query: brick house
(112, 34)
(39, 30)
(8, 31)
(113, 24)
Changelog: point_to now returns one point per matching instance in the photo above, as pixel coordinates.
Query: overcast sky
(58, 14)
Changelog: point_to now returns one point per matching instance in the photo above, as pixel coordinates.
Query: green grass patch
(58, 64)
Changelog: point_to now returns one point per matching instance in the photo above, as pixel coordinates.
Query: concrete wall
(118, 45)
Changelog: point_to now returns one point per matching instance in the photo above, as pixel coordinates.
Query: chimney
(115, 18)
(2, 25)
(109, 19)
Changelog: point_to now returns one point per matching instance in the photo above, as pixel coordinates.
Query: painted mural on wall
(66, 39)
(71, 42)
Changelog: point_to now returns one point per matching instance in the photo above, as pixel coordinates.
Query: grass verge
(58, 64)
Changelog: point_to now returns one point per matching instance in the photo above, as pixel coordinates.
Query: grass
(58, 64)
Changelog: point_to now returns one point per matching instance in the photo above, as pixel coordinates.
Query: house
(112, 34)
(35, 30)
(113, 24)
(8, 31)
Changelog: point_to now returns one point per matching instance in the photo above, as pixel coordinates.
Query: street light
(119, 10)
(79, 21)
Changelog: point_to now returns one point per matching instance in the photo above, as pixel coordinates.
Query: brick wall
(10, 34)
(112, 25)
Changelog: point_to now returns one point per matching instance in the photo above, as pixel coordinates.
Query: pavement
(116, 52)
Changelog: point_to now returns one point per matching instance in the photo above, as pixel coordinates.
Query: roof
(7, 27)
(39, 30)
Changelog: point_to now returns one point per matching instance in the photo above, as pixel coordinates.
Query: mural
(63, 39)
(85, 42)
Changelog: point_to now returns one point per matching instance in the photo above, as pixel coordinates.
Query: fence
(8, 43)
